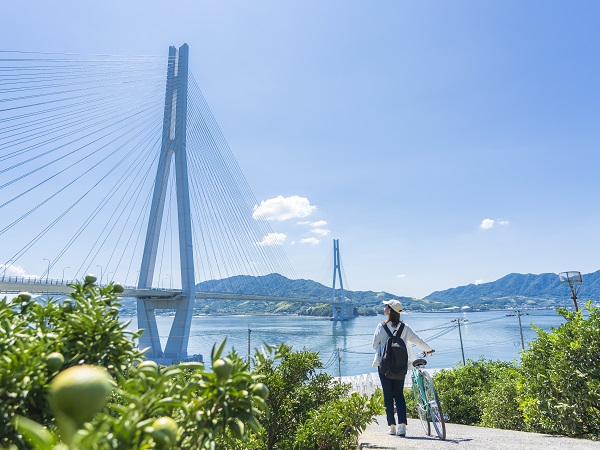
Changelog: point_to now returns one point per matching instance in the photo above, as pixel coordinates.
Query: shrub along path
(461, 437)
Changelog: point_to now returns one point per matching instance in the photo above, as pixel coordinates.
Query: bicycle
(427, 402)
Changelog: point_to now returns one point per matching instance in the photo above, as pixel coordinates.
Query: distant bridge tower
(340, 309)
(173, 145)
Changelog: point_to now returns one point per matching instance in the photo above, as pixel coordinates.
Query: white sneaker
(392, 430)
(401, 430)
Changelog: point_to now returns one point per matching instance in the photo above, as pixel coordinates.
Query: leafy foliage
(555, 389)
(307, 409)
(561, 392)
(84, 329)
(296, 389)
(203, 404)
(337, 424)
(462, 389)
(183, 406)
(500, 406)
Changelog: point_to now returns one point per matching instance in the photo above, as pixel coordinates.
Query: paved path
(463, 437)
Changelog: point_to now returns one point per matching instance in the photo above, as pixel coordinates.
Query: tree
(560, 387)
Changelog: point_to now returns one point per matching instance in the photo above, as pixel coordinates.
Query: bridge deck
(160, 298)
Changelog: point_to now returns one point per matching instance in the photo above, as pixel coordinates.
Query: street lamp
(574, 279)
(63, 277)
(101, 269)
(48, 272)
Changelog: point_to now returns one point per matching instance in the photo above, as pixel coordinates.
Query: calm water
(492, 335)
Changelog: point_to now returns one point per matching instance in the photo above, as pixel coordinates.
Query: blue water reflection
(492, 335)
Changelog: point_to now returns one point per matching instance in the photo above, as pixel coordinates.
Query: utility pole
(574, 279)
(249, 331)
(462, 349)
(519, 314)
(339, 364)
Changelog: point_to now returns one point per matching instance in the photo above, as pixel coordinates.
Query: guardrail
(367, 383)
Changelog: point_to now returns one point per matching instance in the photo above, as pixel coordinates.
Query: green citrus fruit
(79, 392)
(222, 367)
(261, 390)
(148, 367)
(55, 361)
(165, 432)
(90, 278)
(118, 288)
(237, 429)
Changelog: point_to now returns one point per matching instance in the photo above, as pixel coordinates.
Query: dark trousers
(393, 390)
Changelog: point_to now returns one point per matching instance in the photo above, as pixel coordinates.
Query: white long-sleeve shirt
(408, 335)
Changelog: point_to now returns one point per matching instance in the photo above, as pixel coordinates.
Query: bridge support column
(337, 271)
(150, 339)
(173, 145)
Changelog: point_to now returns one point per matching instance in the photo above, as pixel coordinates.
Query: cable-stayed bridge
(115, 165)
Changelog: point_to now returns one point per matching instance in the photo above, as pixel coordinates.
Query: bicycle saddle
(419, 362)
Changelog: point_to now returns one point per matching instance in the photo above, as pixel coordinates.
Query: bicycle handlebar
(425, 354)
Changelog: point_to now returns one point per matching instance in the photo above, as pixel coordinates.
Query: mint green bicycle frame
(428, 405)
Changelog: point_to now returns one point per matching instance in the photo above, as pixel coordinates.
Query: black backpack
(394, 360)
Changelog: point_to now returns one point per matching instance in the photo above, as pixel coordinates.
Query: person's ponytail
(393, 317)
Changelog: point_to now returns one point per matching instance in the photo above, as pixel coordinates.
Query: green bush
(560, 393)
(500, 406)
(411, 406)
(307, 408)
(462, 388)
(296, 388)
(337, 424)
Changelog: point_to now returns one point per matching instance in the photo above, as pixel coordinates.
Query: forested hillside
(520, 290)
(367, 302)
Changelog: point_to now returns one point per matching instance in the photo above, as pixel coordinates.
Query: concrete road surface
(463, 437)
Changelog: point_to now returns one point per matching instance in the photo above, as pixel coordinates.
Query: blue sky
(443, 142)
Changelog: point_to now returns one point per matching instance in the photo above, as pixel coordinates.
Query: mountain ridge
(367, 302)
(520, 290)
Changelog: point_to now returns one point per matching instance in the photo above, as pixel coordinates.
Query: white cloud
(10, 270)
(283, 208)
(401, 276)
(321, 231)
(487, 224)
(310, 241)
(319, 223)
(478, 282)
(273, 239)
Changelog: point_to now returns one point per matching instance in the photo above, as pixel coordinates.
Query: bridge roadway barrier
(367, 383)
(158, 298)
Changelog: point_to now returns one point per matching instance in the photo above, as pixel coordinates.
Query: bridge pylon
(173, 146)
(340, 309)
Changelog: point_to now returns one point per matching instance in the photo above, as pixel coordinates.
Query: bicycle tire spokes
(434, 407)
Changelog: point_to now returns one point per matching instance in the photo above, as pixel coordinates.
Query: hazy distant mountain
(274, 284)
(522, 290)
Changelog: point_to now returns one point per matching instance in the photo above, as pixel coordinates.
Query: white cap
(394, 304)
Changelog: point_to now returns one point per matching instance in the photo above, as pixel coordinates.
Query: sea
(345, 348)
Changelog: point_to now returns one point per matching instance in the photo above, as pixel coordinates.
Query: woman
(393, 390)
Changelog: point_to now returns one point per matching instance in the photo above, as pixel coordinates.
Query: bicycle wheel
(436, 416)
(420, 404)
